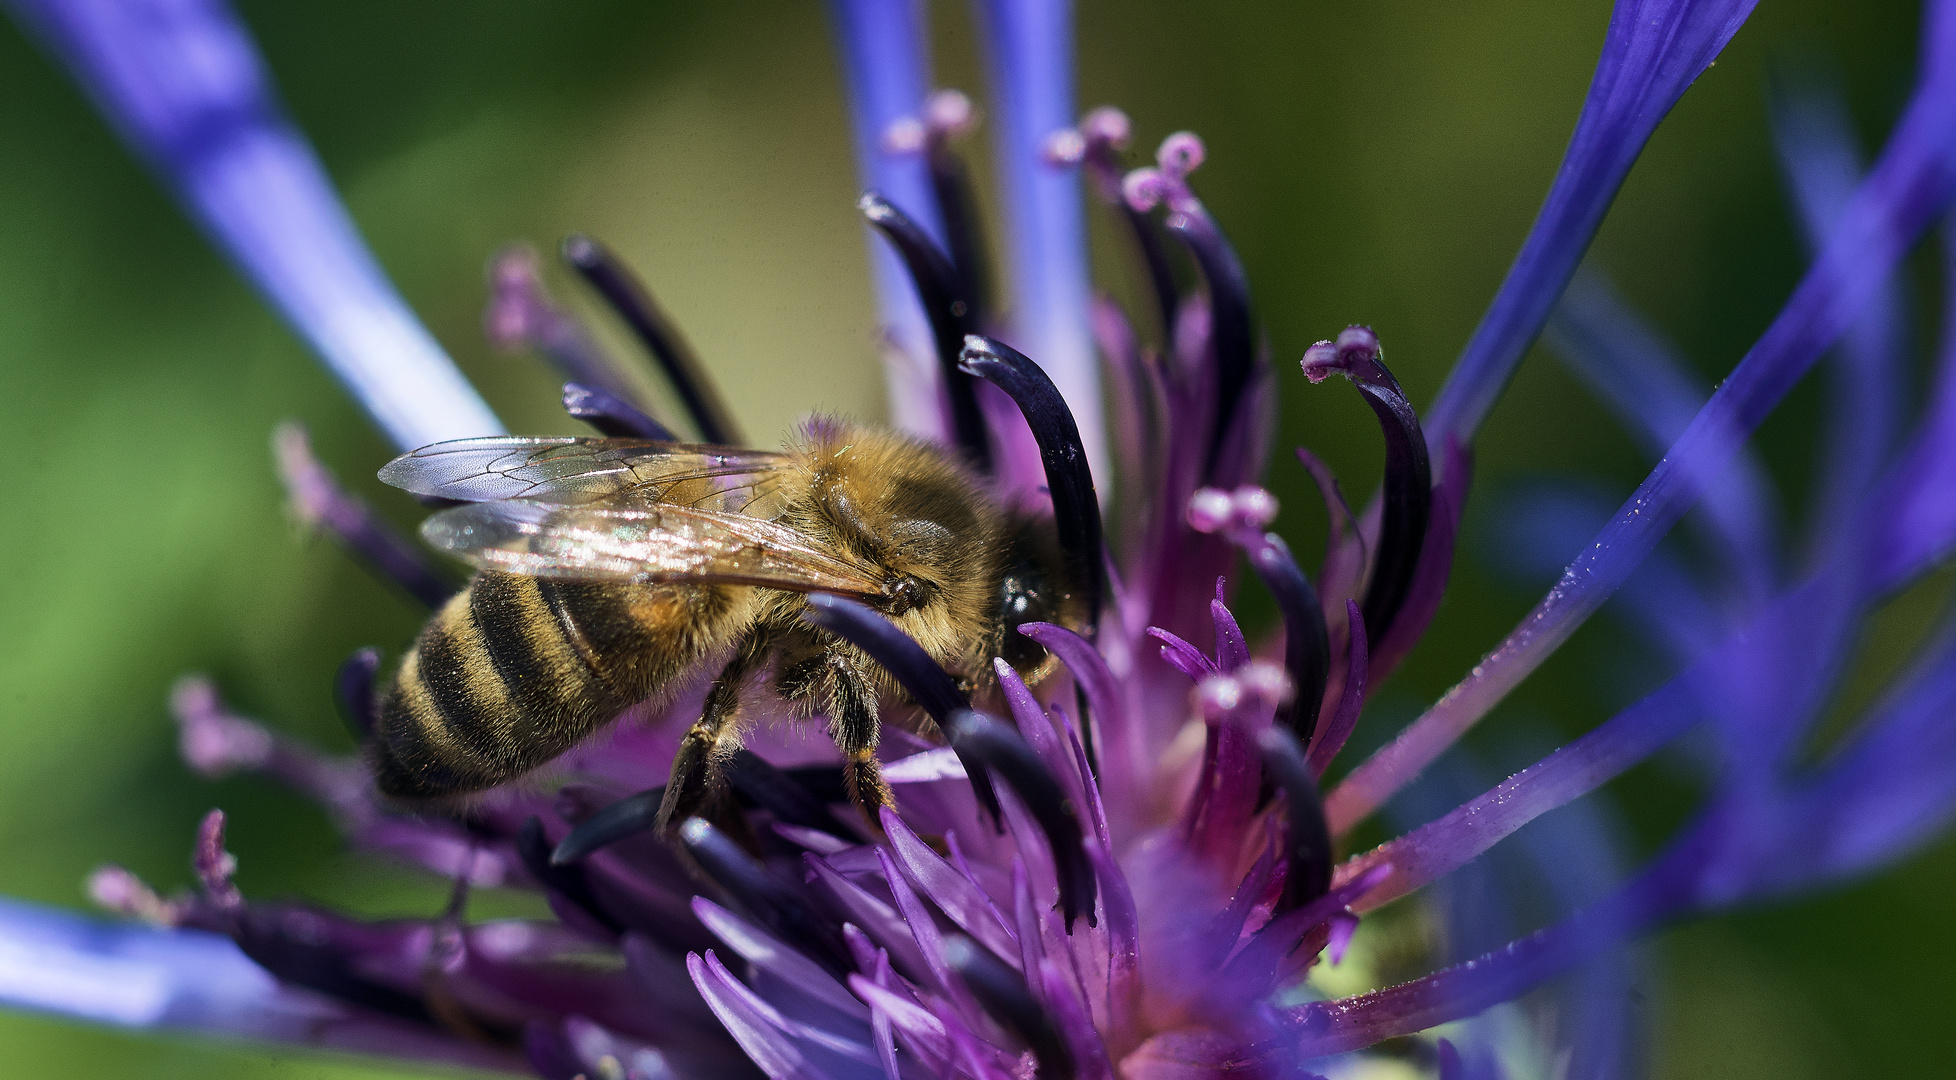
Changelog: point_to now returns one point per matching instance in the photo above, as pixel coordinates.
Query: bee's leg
(696, 785)
(854, 727)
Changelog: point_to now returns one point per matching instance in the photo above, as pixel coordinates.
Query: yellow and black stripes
(516, 670)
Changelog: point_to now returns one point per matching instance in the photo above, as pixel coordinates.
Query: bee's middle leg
(696, 785)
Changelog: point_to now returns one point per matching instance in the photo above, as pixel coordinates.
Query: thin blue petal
(1030, 45)
(1640, 378)
(1823, 164)
(1908, 187)
(183, 83)
(1653, 51)
(886, 73)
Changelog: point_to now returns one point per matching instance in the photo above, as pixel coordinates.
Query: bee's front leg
(697, 785)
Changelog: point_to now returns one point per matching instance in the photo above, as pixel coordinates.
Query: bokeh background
(1374, 162)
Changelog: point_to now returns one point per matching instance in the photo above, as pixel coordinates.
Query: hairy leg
(697, 785)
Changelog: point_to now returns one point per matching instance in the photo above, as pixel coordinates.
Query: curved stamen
(628, 816)
(1099, 145)
(762, 896)
(1241, 515)
(795, 796)
(780, 792)
(353, 686)
(611, 415)
(1229, 314)
(1408, 477)
(318, 501)
(1007, 999)
(1076, 507)
(996, 747)
(948, 114)
(567, 881)
(949, 310)
(521, 314)
(1307, 838)
(628, 297)
(926, 681)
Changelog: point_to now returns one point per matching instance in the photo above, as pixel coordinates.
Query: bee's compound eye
(1022, 599)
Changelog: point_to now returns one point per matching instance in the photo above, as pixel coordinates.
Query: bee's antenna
(628, 297)
(940, 290)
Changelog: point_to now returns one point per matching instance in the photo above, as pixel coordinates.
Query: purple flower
(1128, 869)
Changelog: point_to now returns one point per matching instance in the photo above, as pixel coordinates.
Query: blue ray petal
(1653, 51)
(183, 84)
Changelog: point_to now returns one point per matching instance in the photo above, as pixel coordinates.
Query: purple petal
(1654, 50)
(874, 918)
(1908, 186)
(183, 84)
(1232, 649)
(1182, 656)
(886, 72)
(1030, 53)
(951, 891)
(769, 953)
(768, 1046)
(1331, 737)
(1343, 570)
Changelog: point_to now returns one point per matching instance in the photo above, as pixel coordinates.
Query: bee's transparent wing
(572, 471)
(631, 538)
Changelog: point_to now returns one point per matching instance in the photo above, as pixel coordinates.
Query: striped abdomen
(516, 670)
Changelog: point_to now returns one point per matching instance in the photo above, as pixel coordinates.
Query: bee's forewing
(637, 539)
(571, 471)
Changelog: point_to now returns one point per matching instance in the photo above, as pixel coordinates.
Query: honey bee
(609, 569)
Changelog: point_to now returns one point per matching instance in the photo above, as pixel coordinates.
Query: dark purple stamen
(949, 311)
(992, 745)
(629, 816)
(566, 881)
(1229, 316)
(957, 203)
(1307, 643)
(634, 304)
(796, 796)
(781, 793)
(1076, 507)
(762, 896)
(353, 686)
(298, 945)
(1103, 141)
(612, 416)
(1307, 838)
(926, 681)
(1408, 475)
(318, 499)
(1006, 998)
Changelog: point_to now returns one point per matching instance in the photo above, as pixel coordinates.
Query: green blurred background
(1374, 162)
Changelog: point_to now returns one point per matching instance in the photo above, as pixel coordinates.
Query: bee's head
(906, 507)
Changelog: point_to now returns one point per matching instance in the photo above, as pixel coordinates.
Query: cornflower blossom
(1127, 870)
